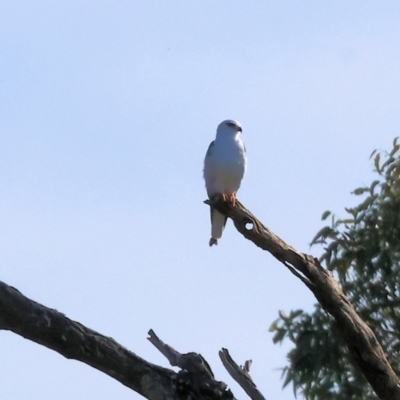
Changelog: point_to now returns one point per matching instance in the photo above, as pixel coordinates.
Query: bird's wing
(209, 170)
(210, 149)
(218, 220)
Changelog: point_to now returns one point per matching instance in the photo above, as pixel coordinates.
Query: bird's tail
(218, 222)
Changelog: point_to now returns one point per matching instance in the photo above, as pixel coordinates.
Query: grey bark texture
(71, 339)
(361, 341)
(195, 380)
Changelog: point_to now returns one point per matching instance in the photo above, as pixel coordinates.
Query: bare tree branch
(71, 339)
(196, 380)
(192, 365)
(363, 344)
(241, 375)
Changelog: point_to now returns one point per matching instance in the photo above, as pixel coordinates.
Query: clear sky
(106, 111)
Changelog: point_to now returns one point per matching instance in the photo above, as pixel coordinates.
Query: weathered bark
(200, 367)
(195, 380)
(363, 344)
(241, 374)
(71, 339)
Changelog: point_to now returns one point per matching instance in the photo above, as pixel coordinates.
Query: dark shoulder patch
(209, 150)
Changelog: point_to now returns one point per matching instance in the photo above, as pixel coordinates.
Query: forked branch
(71, 339)
(241, 374)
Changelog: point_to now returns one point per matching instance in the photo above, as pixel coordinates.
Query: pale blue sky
(106, 111)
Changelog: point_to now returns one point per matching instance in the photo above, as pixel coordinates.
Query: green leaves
(376, 163)
(325, 215)
(322, 234)
(360, 190)
(363, 251)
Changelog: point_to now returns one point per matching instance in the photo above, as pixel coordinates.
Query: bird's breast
(229, 153)
(229, 165)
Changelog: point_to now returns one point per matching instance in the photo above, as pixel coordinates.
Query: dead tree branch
(194, 368)
(71, 339)
(241, 375)
(361, 341)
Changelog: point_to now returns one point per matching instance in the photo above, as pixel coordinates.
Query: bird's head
(229, 128)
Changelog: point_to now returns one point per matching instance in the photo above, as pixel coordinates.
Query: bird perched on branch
(224, 168)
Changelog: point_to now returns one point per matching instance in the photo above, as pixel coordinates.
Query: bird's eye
(230, 124)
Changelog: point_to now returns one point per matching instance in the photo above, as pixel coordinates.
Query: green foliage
(363, 251)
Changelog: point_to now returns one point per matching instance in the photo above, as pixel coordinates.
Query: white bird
(224, 168)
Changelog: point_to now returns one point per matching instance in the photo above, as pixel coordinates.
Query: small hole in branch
(249, 226)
